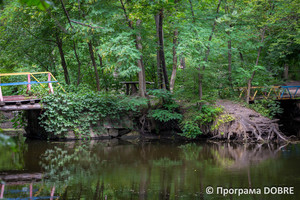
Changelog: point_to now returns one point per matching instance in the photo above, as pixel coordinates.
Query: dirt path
(237, 110)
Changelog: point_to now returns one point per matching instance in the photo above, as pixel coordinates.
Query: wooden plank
(1, 97)
(36, 106)
(18, 98)
(29, 85)
(21, 177)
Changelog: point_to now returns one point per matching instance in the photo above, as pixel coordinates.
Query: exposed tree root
(247, 125)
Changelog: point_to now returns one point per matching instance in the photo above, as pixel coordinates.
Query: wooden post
(30, 190)
(52, 192)
(28, 85)
(50, 84)
(2, 191)
(1, 97)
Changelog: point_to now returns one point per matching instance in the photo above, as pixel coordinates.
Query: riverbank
(105, 116)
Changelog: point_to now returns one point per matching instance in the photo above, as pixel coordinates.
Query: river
(155, 169)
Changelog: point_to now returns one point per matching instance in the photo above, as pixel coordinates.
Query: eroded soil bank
(246, 124)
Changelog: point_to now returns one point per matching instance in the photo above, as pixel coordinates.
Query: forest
(193, 51)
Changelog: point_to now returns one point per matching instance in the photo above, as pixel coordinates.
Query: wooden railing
(31, 79)
(278, 92)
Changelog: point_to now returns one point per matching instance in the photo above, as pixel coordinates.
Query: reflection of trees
(64, 166)
(11, 152)
(241, 156)
(147, 171)
(191, 151)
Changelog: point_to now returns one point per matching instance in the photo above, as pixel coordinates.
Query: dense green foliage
(215, 46)
(32, 32)
(267, 108)
(80, 113)
(196, 120)
(167, 109)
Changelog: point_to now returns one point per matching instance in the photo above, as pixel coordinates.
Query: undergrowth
(78, 112)
(195, 120)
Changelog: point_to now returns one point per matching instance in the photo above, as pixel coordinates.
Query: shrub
(168, 110)
(80, 111)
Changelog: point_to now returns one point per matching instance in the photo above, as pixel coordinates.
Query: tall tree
(141, 75)
(161, 62)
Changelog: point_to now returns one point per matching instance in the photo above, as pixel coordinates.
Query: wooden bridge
(29, 190)
(25, 102)
(271, 92)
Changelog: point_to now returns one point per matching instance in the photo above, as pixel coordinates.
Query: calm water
(118, 169)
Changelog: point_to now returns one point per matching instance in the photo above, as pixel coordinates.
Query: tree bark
(242, 59)
(62, 57)
(182, 62)
(66, 12)
(192, 11)
(249, 83)
(142, 79)
(94, 65)
(160, 78)
(229, 61)
(173, 76)
(102, 72)
(161, 63)
(286, 71)
(79, 64)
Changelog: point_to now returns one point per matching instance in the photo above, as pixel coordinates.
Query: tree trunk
(160, 79)
(161, 63)
(286, 72)
(142, 79)
(173, 77)
(192, 11)
(182, 63)
(242, 59)
(102, 72)
(200, 76)
(94, 64)
(79, 65)
(62, 57)
(249, 83)
(229, 62)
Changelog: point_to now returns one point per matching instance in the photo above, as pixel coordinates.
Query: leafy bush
(195, 119)
(165, 115)
(222, 120)
(267, 108)
(191, 129)
(208, 114)
(79, 112)
(168, 110)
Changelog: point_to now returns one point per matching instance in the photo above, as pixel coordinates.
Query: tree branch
(66, 13)
(126, 16)
(82, 24)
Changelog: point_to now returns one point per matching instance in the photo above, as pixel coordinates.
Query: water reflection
(116, 169)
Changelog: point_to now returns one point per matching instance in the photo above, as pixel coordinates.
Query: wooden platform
(20, 102)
